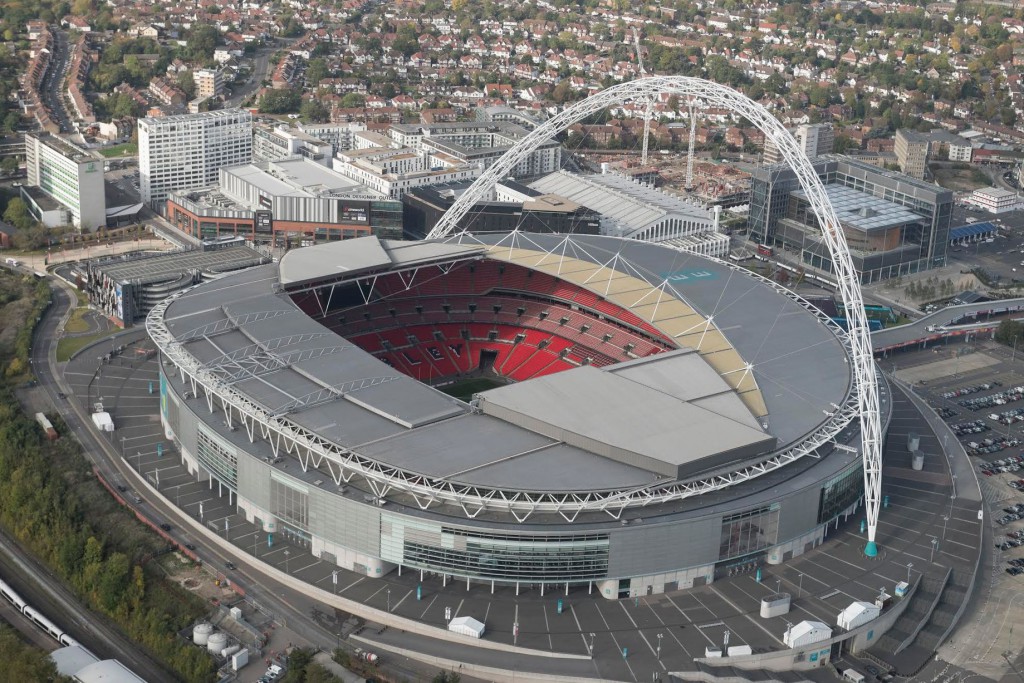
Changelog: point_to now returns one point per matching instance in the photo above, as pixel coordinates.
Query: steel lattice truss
(713, 94)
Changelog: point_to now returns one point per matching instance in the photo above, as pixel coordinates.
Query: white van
(854, 676)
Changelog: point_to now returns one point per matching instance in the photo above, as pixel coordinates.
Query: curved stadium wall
(633, 550)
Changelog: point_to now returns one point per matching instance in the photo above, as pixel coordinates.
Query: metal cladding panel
(188, 422)
(344, 521)
(254, 480)
(642, 549)
(799, 512)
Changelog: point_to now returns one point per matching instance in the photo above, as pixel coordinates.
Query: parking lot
(982, 401)
(623, 635)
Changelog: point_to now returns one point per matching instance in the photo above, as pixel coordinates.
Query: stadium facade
(657, 428)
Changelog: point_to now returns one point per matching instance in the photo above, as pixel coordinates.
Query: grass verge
(69, 346)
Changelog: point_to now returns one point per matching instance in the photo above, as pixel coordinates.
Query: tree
(17, 214)
(9, 165)
(201, 43)
(280, 101)
(187, 83)
(353, 100)
(1009, 332)
(314, 111)
(316, 71)
(447, 677)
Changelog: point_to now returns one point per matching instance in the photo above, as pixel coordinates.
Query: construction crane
(648, 103)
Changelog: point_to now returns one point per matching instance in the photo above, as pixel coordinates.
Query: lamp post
(935, 542)
(800, 586)
(944, 520)
(910, 566)
(660, 636)
(591, 646)
(286, 554)
(388, 591)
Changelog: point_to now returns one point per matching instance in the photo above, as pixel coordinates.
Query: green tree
(280, 101)
(353, 100)
(314, 111)
(316, 71)
(201, 42)
(187, 83)
(1009, 332)
(17, 214)
(9, 165)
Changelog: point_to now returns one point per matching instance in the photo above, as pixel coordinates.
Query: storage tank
(201, 633)
(217, 642)
(913, 442)
(917, 461)
(228, 651)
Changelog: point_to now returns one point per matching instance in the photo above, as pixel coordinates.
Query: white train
(36, 616)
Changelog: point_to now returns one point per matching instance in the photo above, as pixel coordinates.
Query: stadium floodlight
(713, 94)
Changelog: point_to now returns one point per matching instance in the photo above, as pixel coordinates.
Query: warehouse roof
(631, 205)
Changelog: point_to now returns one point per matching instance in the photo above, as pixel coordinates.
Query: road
(256, 78)
(50, 88)
(92, 630)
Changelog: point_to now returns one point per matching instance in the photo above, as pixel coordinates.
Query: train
(35, 616)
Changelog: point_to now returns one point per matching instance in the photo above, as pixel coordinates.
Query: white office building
(995, 199)
(188, 151)
(394, 171)
(67, 175)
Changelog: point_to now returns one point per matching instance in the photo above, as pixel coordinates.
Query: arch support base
(871, 549)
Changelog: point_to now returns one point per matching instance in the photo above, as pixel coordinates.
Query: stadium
(518, 409)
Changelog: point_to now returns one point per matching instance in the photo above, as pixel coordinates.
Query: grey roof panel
(453, 447)
(333, 258)
(559, 467)
(617, 417)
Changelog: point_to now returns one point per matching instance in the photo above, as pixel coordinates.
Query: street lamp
(944, 520)
(910, 566)
(800, 585)
(591, 646)
(286, 554)
(389, 599)
(935, 542)
(660, 636)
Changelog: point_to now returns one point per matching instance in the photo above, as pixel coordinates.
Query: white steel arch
(690, 89)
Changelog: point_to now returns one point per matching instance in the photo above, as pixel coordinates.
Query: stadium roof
(631, 205)
(673, 409)
(689, 421)
(365, 254)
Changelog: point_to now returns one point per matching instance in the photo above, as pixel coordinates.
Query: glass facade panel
(839, 493)
(217, 458)
(502, 557)
(289, 501)
(750, 531)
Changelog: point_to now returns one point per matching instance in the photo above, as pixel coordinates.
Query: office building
(912, 152)
(895, 225)
(65, 183)
(995, 199)
(209, 83)
(188, 150)
(815, 139)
